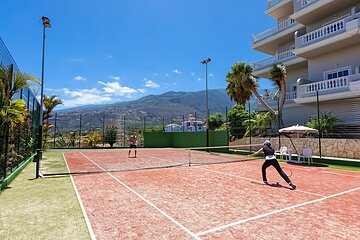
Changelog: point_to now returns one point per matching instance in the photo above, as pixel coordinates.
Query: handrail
(278, 28)
(272, 3)
(280, 57)
(335, 83)
(300, 4)
(323, 32)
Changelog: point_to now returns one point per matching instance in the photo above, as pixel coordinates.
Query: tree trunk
(283, 96)
(262, 101)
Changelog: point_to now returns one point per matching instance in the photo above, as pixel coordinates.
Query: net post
(189, 156)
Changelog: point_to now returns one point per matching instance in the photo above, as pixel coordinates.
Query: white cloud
(199, 79)
(79, 78)
(140, 90)
(53, 90)
(176, 71)
(116, 78)
(151, 84)
(211, 75)
(114, 88)
(80, 97)
(168, 85)
(193, 74)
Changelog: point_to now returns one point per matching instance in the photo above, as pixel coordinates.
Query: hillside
(155, 108)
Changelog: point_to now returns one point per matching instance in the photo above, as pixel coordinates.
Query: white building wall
(333, 60)
(294, 75)
(332, 18)
(348, 110)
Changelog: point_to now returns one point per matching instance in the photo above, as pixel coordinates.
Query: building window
(337, 73)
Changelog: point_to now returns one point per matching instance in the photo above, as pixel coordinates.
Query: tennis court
(125, 198)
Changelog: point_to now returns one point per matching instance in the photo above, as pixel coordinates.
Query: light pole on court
(46, 24)
(206, 61)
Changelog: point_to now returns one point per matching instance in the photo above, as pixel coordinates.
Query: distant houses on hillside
(190, 125)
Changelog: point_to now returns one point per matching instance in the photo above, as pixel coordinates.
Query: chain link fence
(17, 143)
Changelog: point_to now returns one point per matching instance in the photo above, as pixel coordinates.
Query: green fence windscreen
(184, 139)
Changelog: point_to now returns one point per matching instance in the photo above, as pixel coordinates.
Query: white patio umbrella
(298, 129)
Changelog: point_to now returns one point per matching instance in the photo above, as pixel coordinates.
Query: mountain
(155, 109)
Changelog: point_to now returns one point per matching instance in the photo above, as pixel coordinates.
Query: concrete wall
(341, 148)
(338, 59)
(330, 19)
(294, 74)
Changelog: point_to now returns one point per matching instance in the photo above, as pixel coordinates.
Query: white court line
(275, 212)
(254, 180)
(327, 172)
(340, 174)
(91, 232)
(147, 201)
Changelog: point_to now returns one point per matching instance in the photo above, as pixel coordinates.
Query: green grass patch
(41, 208)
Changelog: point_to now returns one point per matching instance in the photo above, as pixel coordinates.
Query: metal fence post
(124, 131)
(55, 123)
(103, 130)
(250, 125)
(278, 102)
(226, 124)
(318, 120)
(80, 131)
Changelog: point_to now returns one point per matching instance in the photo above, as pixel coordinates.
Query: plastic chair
(307, 154)
(283, 152)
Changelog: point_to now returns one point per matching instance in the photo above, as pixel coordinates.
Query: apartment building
(319, 43)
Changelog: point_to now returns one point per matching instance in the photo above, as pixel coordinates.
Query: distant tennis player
(133, 144)
(270, 160)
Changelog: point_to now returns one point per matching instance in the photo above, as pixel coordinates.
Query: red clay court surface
(221, 201)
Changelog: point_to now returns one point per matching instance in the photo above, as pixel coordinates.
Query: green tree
(111, 134)
(215, 121)
(49, 103)
(327, 123)
(12, 112)
(93, 139)
(236, 116)
(258, 123)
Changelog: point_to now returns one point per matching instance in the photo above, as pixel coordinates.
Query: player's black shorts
(132, 146)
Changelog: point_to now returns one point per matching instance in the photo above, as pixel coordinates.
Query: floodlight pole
(206, 61)
(46, 24)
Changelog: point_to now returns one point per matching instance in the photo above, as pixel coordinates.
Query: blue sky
(107, 51)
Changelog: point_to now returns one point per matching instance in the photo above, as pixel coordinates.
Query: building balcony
(280, 8)
(332, 89)
(269, 40)
(288, 58)
(340, 34)
(310, 11)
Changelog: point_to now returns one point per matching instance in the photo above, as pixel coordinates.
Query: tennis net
(88, 162)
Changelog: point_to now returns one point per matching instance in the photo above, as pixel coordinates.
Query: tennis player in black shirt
(270, 160)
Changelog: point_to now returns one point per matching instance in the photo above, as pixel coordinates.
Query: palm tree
(242, 84)
(50, 103)
(278, 77)
(12, 112)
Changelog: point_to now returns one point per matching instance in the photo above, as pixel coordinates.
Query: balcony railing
(276, 29)
(336, 83)
(300, 4)
(278, 58)
(324, 32)
(272, 3)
